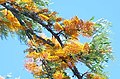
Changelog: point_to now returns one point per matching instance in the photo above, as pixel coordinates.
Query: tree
(49, 57)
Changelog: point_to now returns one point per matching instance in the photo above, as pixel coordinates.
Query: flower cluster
(10, 21)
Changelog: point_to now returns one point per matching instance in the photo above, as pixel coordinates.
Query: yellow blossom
(58, 75)
(70, 28)
(57, 44)
(66, 22)
(73, 47)
(43, 17)
(33, 55)
(34, 68)
(58, 27)
(12, 23)
(44, 55)
(52, 14)
(58, 19)
(53, 58)
(26, 0)
(31, 6)
(60, 53)
(63, 65)
(86, 48)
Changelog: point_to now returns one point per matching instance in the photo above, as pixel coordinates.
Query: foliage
(49, 57)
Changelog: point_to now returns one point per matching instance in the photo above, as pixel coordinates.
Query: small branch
(30, 32)
(74, 70)
(84, 73)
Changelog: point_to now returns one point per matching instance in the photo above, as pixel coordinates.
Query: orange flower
(43, 17)
(95, 76)
(33, 55)
(53, 58)
(58, 75)
(73, 47)
(58, 19)
(86, 48)
(34, 68)
(60, 53)
(26, 1)
(52, 14)
(87, 28)
(12, 23)
(63, 65)
(58, 27)
(66, 22)
(57, 44)
(44, 55)
(71, 27)
(30, 66)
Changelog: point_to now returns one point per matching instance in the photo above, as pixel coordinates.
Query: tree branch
(76, 72)
(28, 32)
(35, 17)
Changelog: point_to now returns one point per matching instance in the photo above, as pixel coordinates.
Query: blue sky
(11, 50)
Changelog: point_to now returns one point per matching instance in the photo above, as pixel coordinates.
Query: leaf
(91, 19)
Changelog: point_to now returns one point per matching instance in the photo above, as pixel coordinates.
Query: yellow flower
(31, 6)
(52, 14)
(73, 47)
(58, 19)
(66, 22)
(12, 23)
(38, 71)
(30, 66)
(75, 20)
(33, 55)
(87, 29)
(26, 1)
(60, 53)
(57, 44)
(95, 76)
(34, 68)
(44, 55)
(58, 75)
(70, 28)
(63, 65)
(86, 48)
(43, 17)
(53, 58)
(58, 27)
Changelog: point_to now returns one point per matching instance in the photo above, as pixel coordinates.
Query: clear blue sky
(11, 50)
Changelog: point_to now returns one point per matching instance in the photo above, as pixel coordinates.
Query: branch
(28, 32)
(35, 17)
(85, 73)
(74, 70)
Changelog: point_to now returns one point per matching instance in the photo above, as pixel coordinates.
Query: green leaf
(91, 19)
